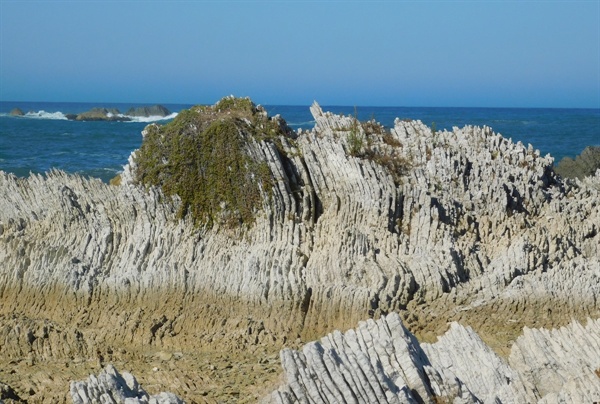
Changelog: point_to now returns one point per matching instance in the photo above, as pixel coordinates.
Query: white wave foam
(60, 116)
(45, 115)
(301, 123)
(151, 118)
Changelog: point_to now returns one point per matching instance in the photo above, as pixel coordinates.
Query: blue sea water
(44, 139)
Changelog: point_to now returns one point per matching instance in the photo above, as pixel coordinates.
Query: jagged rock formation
(584, 165)
(112, 387)
(381, 361)
(355, 222)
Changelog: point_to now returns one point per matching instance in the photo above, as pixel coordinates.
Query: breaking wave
(151, 118)
(45, 115)
(61, 116)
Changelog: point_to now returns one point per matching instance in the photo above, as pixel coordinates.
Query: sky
(366, 53)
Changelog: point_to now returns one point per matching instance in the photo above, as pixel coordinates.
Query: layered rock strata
(440, 226)
(382, 362)
(110, 386)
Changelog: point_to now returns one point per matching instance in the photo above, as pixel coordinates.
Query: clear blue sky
(397, 53)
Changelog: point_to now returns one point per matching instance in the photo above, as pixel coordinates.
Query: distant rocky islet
(110, 114)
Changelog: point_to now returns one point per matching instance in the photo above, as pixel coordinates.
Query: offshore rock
(102, 114)
(112, 387)
(353, 221)
(155, 110)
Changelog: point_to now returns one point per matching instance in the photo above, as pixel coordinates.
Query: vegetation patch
(116, 180)
(203, 156)
(372, 141)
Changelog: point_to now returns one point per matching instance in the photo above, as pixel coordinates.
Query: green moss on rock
(584, 164)
(115, 181)
(203, 157)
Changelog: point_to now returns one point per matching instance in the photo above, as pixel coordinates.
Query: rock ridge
(381, 361)
(359, 221)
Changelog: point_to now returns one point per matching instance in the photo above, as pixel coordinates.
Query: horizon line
(99, 103)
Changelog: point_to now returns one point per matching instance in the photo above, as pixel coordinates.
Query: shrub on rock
(204, 156)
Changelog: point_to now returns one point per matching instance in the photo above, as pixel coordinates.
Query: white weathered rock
(111, 387)
(382, 362)
(452, 225)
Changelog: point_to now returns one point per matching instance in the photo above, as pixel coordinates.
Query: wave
(46, 115)
(61, 116)
(151, 118)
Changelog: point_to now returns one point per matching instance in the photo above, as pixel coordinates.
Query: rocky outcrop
(154, 110)
(584, 165)
(354, 222)
(381, 361)
(113, 114)
(8, 395)
(16, 112)
(112, 387)
(102, 114)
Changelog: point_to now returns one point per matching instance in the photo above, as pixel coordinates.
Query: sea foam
(60, 116)
(151, 118)
(45, 115)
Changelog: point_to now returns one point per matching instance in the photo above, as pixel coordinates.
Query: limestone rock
(110, 386)
(379, 362)
(563, 364)
(458, 225)
(8, 395)
(382, 362)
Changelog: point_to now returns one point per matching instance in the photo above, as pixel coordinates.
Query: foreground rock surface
(382, 362)
(449, 226)
(112, 387)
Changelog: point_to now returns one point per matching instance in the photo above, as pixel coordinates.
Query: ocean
(44, 139)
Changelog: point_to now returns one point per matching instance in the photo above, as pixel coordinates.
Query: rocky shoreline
(354, 222)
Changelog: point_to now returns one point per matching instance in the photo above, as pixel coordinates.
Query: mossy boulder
(205, 157)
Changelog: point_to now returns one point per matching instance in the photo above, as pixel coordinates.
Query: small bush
(202, 156)
(355, 138)
(391, 140)
(370, 140)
